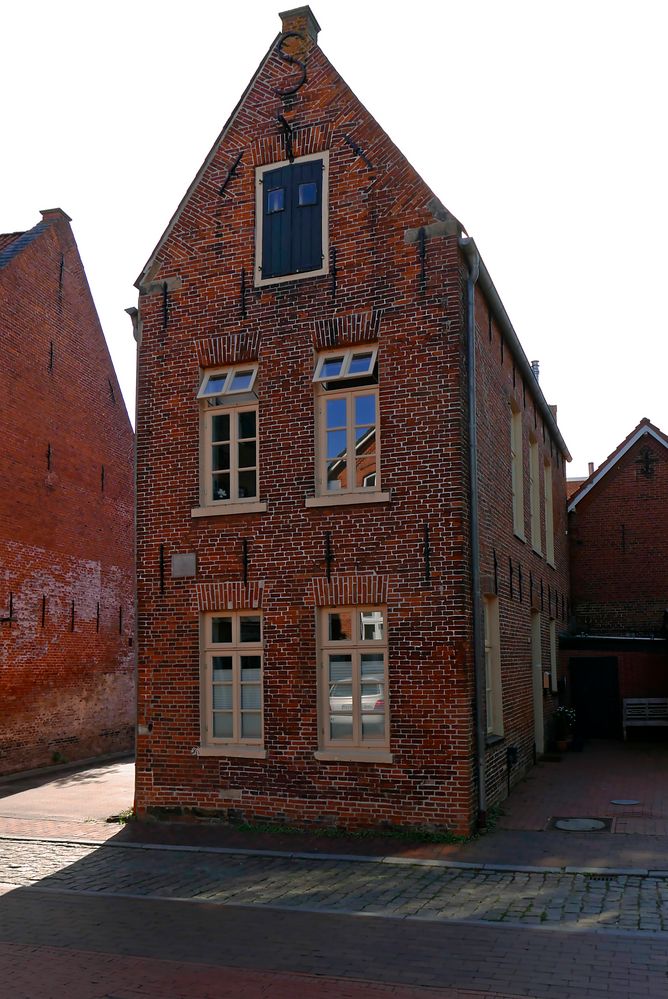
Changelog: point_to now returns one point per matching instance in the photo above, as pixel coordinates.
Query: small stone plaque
(184, 565)
(625, 801)
(579, 825)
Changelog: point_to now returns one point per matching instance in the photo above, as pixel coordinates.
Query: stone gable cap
(300, 18)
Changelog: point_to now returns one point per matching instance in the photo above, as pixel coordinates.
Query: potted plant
(564, 726)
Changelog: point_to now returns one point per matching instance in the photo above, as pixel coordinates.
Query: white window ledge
(228, 509)
(346, 499)
(246, 752)
(344, 755)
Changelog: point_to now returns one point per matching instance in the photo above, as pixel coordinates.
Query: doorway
(595, 696)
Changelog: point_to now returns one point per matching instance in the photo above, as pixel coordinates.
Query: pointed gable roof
(645, 428)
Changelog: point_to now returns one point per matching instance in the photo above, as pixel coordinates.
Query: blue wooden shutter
(292, 234)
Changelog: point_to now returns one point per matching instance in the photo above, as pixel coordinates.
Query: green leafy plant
(564, 721)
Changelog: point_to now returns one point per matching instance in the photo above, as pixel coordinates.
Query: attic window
(291, 238)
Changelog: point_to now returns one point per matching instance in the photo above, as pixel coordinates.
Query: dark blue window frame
(292, 238)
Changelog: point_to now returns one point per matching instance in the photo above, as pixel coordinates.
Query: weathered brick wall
(619, 547)
(378, 297)
(66, 516)
(522, 578)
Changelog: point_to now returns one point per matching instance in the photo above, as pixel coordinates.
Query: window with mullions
(229, 435)
(347, 422)
(291, 219)
(232, 694)
(353, 656)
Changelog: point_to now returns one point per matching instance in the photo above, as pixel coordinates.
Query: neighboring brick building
(307, 536)
(66, 513)
(618, 533)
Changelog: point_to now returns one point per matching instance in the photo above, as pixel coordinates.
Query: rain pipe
(472, 258)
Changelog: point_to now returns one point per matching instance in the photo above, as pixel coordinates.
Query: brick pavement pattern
(94, 934)
(83, 975)
(406, 890)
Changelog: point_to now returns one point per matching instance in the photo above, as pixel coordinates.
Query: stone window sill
(344, 755)
(244, 752)
(228, 509)
(346, 499)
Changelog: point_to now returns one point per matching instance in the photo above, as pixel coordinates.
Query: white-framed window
(353, 678)
(229, 436)
(534, 494)
(554, 679)
(517, 472)
(493, 680)
(549, 512)
(347, 438)
(291, 219)
(231, 644)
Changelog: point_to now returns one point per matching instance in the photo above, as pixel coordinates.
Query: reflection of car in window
(341, 699)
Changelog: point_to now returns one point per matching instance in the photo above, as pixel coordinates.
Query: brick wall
(521, 576)
(193, 315)
(66, 512)
(619, 546)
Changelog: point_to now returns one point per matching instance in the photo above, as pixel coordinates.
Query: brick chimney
(300, 19)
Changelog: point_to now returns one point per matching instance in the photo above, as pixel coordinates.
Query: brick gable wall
(211, 313)
(66, 543)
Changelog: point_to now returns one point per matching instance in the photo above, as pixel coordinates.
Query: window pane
(221, 487)
(373, 727)
(220, 430)
(241, 380)
(340, 669)
(360, 364)
(336, 414)
(340, 626)
(247, 457)
(308, 194)
(336, 476)
(250, 695)
(372, 697)
(250, 629)
(222, 725)
(247, 423)
(222, 695)
(340, 727)
(365, 440)
(247, 485)
(215, 384)
(331, 367)
(336, 443)
(222, 669)
(221, 630)
(251, 667)
(276, 200)
(372, 665)
(364, 477)
(371, 625)
(220, 457)
(250, 725)
(365, 410)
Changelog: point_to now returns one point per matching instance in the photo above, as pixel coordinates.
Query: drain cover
(579, 825)
(625, 801)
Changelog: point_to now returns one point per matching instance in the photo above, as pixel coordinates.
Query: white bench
(645, 711)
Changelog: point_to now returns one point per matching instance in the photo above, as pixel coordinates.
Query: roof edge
(644, 427)
(469, 247)
(207, 161)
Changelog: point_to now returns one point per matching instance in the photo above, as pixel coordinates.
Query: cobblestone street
(420, 890)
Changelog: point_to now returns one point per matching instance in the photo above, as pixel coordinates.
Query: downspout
(472, 257)
(136, 333)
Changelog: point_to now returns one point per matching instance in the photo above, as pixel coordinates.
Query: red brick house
(619, 552)
(66, 513)
(351, 490)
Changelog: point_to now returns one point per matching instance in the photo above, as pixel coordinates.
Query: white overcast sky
(540, 125)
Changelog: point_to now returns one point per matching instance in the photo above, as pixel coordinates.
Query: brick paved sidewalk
(28, 972)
